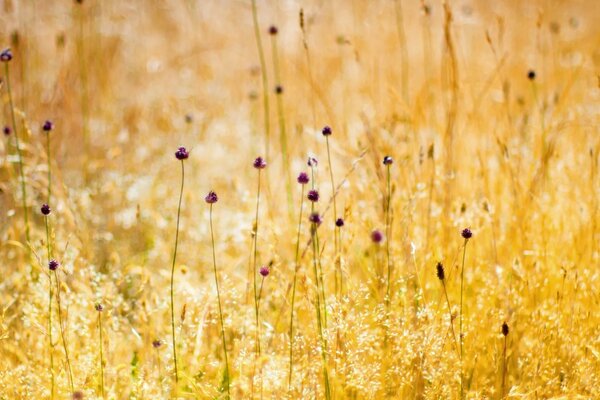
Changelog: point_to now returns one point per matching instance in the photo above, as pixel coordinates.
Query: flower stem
(388, 234)
(461, 334)
(212, 237)
(51, 345)
(101, 354)
(265, 82)
(256, 309)
(173, 274)
(62, 332)
(338, 270)
(49, 168)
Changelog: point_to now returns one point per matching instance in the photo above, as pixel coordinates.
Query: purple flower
(303, 178)
(273, 30)
(466, 233)
(211, 197)
(99, 307)
(53, 265)
(313, 196)
(259, 163)
(182, 153)
(278, 89)
(45, 209)
(6, 55)
(531, 75)
(315, 218)
(326, 131)
(312, 162)
(339, 222)
(48, 125)
(264, 271)
(440, 271)
(156, 343)
(387, 160)
(376, 236)
(6, 130)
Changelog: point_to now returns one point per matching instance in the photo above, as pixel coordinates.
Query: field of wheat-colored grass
(442, 243)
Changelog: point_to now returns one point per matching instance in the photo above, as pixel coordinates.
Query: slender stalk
(338, 271)
(403, 48)
(461, 333)
(101, 354)
(20, 156)
(504, 369)
(51, 345)
(62, 332)
(256, 308)
(265, 82)
(49, 169)
(450, 315)
(212, 237)
(296, 266)
(173, 274)
(388, 229)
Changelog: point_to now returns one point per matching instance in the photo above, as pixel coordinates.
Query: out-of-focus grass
(475, 142)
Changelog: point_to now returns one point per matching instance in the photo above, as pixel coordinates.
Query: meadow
(299, 199)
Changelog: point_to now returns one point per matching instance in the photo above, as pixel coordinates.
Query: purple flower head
(312, 162)
(48, 125)
(315, 218)
(99, 307)
(466, 233)
(376, 236)
(273, 30)
(313, 195)
(303, 178)
(505, 329)
(6, 55)
(156, 343)
(440, 271)
(259, 163)
(387, 160)
(326, 131)
(45, 209)
(182, 153)
(264, 271)
(53, 265)
(6, 130)
(339, 222)
(278, 89)
(211, 197)
(531, 75)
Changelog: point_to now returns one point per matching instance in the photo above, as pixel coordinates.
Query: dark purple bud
(440, 271)
(182, 153)
(505, 329)
(339, 222)
(6, 55)
(47, 127)
(387, 160)
(466, 233)
(156, 343)
(376, 236)
(312, 162)
(259, 163)
(6, 130)
(278, 89)
(303, 178)
(53, 265)
(99, 307)
(264, 271)
(315, 218)
(45, 209)
(273, 30)
(531, 75)
(211, 197)
(326, 131)
(313, 196)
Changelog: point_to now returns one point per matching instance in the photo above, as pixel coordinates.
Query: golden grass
(475, 142)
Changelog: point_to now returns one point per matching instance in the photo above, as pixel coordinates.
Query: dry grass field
(468, 263)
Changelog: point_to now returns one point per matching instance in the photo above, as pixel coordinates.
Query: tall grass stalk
(338, 267)
(99, 308)
(50, 343)
(62, 332)
(212, 237)
(388, 235)
(466, 235)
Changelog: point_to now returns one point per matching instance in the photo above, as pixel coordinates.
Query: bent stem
(296, 266)
(173, 274)
(450, 315)
(212, 237)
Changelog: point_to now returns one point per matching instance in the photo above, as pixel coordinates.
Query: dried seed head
(531, 75)
(313, 195)
(278, 89)
(182, 153)
(99, 307)
(259, 163)
(303, 178)
(156, 343)
(211, 197)
(505, 329)
(45, 209)
(440, 271)
(466, 233)
(376, 236)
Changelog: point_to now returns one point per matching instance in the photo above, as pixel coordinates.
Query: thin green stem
(51, 345)
(388, 234)
(461, 334)
(173, 274)
(338, 272)
(62, 332)
(20, 156)
(504, 369)
(265, 82)
(101, 354)
(450, 315)
(49, 168)
(256, 308)
(296, 266)
(212, 237)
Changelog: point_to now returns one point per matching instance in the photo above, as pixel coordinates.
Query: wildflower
(505, 329)
(531, 75)
(387, 160)
(6, 55)
(303, 178)
(45, 209)
(313, 196)
(99, 307)
(315, 218)
(339, 222)
(326, 131)
(466, 233)
(273, 30)
(278, 89)
(78, 395)
(259, 163)
(182, 154)
(312, 162)
(53, 265)
(440, 271)
(48, 125)
(376, 236)
(156, 343)
(6, 130)
(264, 271)
(211, 197)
